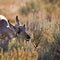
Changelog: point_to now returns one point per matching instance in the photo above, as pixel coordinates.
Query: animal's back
(5, 22)
(3, 25)
(3, 17)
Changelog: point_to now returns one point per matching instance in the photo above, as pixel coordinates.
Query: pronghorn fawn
(9, 31)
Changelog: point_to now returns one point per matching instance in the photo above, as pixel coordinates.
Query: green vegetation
(57, 38)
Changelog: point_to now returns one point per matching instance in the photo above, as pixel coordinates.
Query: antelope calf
(9, 31)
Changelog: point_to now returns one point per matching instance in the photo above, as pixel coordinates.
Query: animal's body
(8, 31)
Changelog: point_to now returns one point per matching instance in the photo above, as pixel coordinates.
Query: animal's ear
(17, 20)
(24, 25)
(10, 23)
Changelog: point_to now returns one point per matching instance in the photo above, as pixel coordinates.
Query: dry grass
(18, 54)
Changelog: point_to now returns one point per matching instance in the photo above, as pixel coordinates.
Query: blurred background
(44, 12)
(42, 20)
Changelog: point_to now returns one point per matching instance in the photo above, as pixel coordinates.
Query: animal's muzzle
(28, 37)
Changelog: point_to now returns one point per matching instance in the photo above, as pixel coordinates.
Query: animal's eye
(19, 31)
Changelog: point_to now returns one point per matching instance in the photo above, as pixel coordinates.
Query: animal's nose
(28, 38)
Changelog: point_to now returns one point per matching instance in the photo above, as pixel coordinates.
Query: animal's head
(19, 29)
